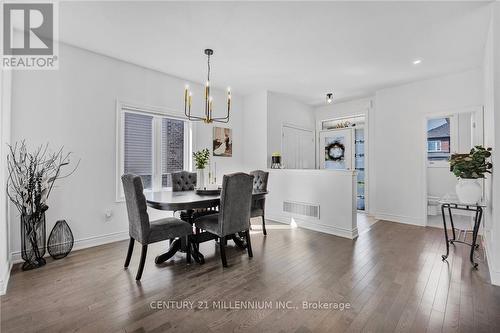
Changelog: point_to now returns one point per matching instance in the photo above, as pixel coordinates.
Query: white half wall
(332, 190)
(75, 107)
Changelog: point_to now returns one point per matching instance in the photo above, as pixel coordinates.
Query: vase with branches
(31, 178)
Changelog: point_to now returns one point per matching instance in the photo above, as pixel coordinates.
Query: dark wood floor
(392, 276)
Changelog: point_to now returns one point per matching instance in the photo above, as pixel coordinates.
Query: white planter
(469, 191)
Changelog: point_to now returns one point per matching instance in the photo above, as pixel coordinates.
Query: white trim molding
(418, 221)
(4, 280)
(494, 271)
(327, 229)
(84, 243)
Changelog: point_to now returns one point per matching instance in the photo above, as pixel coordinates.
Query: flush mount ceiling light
(208, 100)
(329, 98)
(417, 61)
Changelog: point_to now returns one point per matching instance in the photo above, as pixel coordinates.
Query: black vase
(33, 241)
(60, 240)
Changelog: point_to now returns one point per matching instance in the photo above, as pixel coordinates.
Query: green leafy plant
(201, 158)
(473, 165)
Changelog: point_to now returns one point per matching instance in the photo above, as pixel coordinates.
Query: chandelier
(208, 118)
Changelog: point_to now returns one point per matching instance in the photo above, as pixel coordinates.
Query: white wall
(255, 131)
(491, 76)
(75, 107)
(399, 139)
(5, 132)
(283, 109)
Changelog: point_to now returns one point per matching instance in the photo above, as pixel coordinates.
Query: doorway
(446, 134)
(343, 146)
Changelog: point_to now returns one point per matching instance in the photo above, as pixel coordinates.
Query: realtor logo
(28, 36)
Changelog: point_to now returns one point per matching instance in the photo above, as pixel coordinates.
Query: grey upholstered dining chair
(186, 181)
(144, 231)
(234, 212)
(259, 206)
(182, 180)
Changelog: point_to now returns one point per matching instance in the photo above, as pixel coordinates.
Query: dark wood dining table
(188, 201)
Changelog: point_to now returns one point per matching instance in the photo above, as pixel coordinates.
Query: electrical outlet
(108, 214)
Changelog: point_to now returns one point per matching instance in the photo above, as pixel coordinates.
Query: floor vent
(300, 208)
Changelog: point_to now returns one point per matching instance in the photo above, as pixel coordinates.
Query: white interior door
(298, 148)
(335, 149)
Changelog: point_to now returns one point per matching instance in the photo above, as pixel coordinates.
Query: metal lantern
(60, 240)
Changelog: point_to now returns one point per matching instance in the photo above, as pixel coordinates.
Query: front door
(335, 149)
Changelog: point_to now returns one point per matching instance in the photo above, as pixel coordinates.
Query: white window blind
(138, 146)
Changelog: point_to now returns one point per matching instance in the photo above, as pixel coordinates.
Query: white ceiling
(303, 49)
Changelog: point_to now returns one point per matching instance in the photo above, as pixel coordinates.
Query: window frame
(158, 114)
(438, 146)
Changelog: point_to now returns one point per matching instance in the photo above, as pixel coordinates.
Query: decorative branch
(31, 176)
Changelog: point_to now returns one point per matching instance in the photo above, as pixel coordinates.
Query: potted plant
(201, 158)
(469, 168)
(31, 177)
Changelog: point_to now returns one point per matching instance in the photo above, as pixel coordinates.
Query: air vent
(300, 208)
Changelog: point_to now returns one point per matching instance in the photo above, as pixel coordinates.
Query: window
(433, 146)
(151, 144)
(138, 146)
(438, 139)
(172, 148)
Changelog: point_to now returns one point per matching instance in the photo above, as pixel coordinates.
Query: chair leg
(222, 245)
(188, 250)
(249, 244)
(264, 226)
(129, 252)
(141, 263)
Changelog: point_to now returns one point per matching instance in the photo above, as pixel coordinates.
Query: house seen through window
(438, 139)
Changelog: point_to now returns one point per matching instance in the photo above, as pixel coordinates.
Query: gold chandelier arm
(226, 118)
(220, 120)
(189, 116)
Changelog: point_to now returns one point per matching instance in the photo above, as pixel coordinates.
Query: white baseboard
(328, 229)
(400, 219)
(494, 272)
(84, 243)
(4, 280)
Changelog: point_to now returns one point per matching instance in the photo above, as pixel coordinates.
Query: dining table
(189, 203)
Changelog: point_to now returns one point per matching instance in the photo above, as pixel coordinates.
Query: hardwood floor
(392, 276)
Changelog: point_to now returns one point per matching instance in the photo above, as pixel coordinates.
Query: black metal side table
(449, 205)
